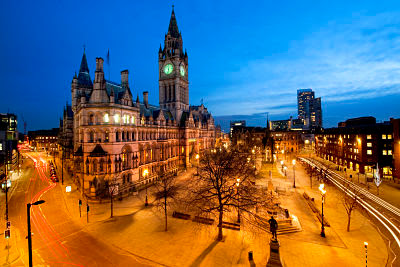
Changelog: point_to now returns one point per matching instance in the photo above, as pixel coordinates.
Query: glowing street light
(198, 162)
(145, 174)
(238, 205)
(28, 210)
(294, 173)
(323, 192)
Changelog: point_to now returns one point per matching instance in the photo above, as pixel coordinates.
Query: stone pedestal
(274, 256)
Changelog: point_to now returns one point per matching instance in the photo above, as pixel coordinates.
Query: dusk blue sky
(246, 58)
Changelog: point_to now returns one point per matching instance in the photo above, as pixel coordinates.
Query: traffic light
(7, 233)
(8, 225)
(80, 202)
(87, 207)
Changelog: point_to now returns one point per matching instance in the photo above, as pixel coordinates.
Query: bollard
(250, 255)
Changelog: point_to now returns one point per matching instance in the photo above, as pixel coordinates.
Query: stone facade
(117, 138)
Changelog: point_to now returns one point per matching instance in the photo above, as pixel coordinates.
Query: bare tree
(225, 183)
(166, 190)
(349, 201)
(112, 187)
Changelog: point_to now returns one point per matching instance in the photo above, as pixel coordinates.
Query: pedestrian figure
(273, 226)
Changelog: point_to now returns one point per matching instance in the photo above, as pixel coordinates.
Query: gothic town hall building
(123, 141)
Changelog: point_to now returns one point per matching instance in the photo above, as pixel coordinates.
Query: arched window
(107, 137)
(117, 136)
(91, 119)
(91, 137)
(106, 118)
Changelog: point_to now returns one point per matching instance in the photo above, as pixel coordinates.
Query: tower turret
(173, 72)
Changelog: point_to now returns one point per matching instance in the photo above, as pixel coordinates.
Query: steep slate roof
(173, 26)
(84, 76)
(154, 111)
(117, 88)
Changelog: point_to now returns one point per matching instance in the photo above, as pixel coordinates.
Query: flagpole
(108, 62)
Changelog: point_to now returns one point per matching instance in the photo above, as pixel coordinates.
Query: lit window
(389, 136)
(106, 118)
(369, 144)
(383, 136)
(116, 118)
(124, 119)
(133, 120)
(127, 119)
(384, 152)
(389, 152)
(1, 146)
(369, 152)
(369, 136)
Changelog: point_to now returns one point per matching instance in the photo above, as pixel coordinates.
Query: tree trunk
(377, 188)
(165, 212)
(348, 221)
(221, 212)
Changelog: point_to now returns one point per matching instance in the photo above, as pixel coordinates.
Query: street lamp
(323, 192)
(285, 168)
(282, 164)
(238, 205)
(198, 162)
(28, 210)
(145, 174)
(366, 253)
(294, 173)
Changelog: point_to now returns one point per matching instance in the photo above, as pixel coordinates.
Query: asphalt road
(57, 240)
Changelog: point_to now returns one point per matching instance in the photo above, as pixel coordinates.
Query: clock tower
(173, 72)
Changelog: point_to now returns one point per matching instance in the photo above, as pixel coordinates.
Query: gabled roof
(98, 151)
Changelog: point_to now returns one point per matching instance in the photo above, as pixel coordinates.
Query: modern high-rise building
(309, 108)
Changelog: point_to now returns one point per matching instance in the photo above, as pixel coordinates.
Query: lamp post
(294, 173)
(145, 174)
(285, 168)
(198, 162)
(62, 165)
(28, 210)
(366, 253)
(323, 192)
(282, 164)
(238, 205)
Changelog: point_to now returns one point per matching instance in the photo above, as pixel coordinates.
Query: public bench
(180, 215)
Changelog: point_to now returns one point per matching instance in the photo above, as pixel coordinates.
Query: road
(386, 216)
(57, 239)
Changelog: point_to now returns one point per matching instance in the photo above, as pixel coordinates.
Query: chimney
(146, 98)
(99, 74)
(99, 64)
(124, 78)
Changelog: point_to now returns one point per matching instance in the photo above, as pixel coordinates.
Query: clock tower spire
(173, 72)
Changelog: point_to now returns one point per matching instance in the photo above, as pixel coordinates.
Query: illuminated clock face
(182, 70)
(168, 68)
